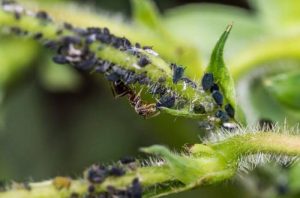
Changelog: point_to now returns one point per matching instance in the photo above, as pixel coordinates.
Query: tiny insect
(207, 81)
(97, 174)
(116, 171)
(230, 110)
(222, 115)
(42, 15)
(166, 101)
(215, 87)
(136, 189)
(38, 36)
(190, 82)
(60, 59)
(127, 160)
(177, 73)
(143, 61)
(199, 108)
(218, 97)
(140, 107)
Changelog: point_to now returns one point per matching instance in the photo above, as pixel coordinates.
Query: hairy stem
(259, 142)
(187, 93)
(200, 165)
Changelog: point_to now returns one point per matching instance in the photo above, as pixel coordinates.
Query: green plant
(132, 68)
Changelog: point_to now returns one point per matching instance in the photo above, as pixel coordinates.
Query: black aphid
(222, 115)
(189, 82)
(60, 59)
(16, 30)
(138, 45)
(129, 77)
(143, 61)
(97, 174)
(91, 188)
(157, 88)
(113, 77)
(166, 101)
(104, 38)
(177, 72)
(106, 30)
(51, 45)
(230, 110)
(126, 43)
(207, 81)
(215, 87)
(42, 15)
(103, 66)
(94, 30)
(68, 26)
(218, 97)
(143, 79)
(136, 189)
(116, 171)
(38, 35)
(127, 160)
(199, 108)
(86, 64)
(71, 40)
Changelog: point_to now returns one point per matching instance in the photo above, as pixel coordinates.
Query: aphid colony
(73, 47)
(98, 173)
(208, 84)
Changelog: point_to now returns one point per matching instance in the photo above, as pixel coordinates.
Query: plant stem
(259, 142)
(157, 69)
(208, 164)
(258, 54)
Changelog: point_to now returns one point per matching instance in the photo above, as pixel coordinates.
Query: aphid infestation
(84, 89)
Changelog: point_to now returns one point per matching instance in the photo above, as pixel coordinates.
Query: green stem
(202, 165)
(259, 142)
(169, 47)
(158, 68)
(258, 54)
(148, 176)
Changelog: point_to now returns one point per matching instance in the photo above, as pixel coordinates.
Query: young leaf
(184, 168)
(221, 73)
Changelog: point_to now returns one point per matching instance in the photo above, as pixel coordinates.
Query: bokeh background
(55, 121)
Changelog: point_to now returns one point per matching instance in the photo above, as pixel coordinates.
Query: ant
(146, 110)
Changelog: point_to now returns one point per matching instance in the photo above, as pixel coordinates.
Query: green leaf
(146, 13)
(186, 170)
(285, 88)
(221, 73)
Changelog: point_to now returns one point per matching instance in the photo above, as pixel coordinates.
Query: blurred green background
(58, 121)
